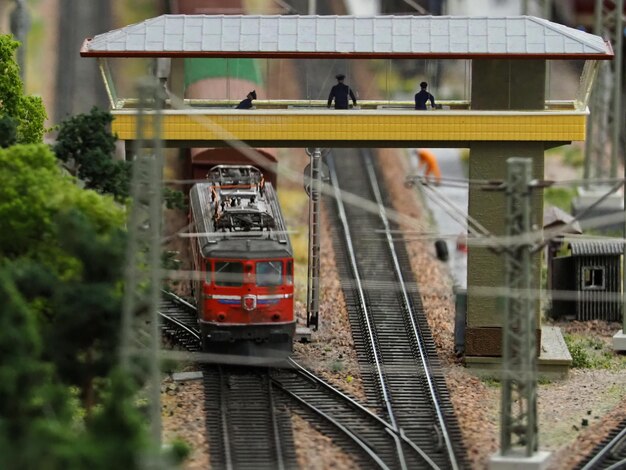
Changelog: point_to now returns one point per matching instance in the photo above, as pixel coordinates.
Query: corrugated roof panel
(376, 35)
(596, 247)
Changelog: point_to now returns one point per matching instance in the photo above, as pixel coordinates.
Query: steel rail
(276, 433)
(409, 310)
(358, 441)
(388, 427)
(180, 325)
(366, 315)
(617, 441)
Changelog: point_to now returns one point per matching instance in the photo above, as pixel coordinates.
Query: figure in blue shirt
(422, 97)
(340, 93)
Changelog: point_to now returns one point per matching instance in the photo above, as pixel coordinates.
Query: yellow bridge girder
(360, 127)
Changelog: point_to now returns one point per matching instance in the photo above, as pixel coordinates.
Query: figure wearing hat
(422, 97)
(340, 93)
(247, 103)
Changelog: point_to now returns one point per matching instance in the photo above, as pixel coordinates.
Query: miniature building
(556, 225)
(587, 283)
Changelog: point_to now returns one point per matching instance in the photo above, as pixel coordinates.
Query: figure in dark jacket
(247, 103)
(422, 97)
(340, 93)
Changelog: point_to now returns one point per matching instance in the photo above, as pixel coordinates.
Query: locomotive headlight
(276, 317)
(221, 316)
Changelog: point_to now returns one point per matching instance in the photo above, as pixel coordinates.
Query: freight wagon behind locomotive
(242, 251)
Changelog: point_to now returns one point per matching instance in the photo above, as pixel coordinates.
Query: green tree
(117, 436)
(35, 419)
(82, 336)
(76, 237)
(8, 131)
(33, 191)
(87, 147)
(27, 111)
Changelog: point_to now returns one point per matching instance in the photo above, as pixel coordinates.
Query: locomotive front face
(248, 299)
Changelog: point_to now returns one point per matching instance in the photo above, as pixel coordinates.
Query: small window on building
(593, 277)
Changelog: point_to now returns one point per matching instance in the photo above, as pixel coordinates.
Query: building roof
(596, 247)
(555, 218)
(355, 37)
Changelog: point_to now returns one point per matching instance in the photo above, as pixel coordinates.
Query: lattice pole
(519, 361)
(313, 278)
(140, 338)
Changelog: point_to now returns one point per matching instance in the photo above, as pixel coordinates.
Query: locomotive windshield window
(228, 273)
(269, 273)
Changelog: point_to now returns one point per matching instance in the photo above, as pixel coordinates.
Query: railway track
(249, 426)
(611, 453)
(401, 371)
(238, 396)
(178, 321)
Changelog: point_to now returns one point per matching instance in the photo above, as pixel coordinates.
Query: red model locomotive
(242, 250)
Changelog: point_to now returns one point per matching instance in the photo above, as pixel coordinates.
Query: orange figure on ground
(427, 159)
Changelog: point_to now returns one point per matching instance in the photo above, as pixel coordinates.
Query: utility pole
(313, 278)
(140, 337)
(604, 127)
(518, 429)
